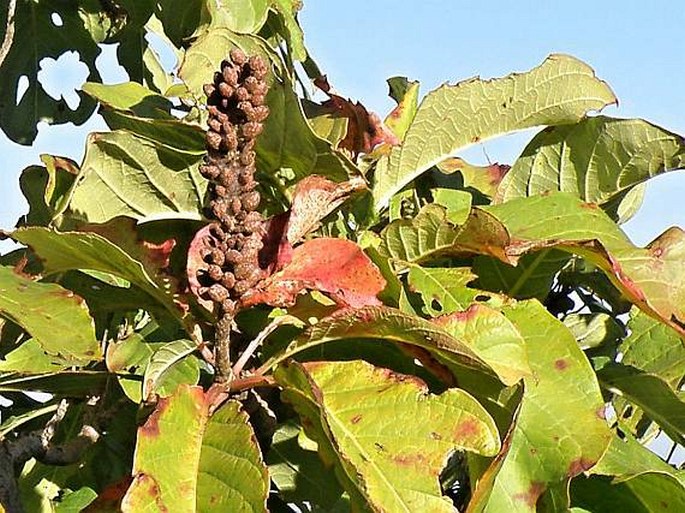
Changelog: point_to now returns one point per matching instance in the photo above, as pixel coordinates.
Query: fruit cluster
(236, 108)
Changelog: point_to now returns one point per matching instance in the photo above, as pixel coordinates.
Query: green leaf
(293, 35)
(443, 289)
(406, 94)
(62, 251)
(654, 348)
(561, 90)
(161, 362)
(36, 38)
(393, 466)
(431, 235)
(69, 383)
(297, 470)
(127, 175)
(642, 482)
(238, 15)
(595, 159)
(532, 277)
(131, 97)
(188, 461)
(131, 359)
(493, 337)
(559, 430)
(381, 322)
(594, 329)
(658, 400)
(31, 358)
(56, 318)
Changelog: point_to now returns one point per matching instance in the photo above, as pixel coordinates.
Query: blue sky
(359, 44)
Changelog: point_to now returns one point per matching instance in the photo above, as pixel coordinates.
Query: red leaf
(337, 267)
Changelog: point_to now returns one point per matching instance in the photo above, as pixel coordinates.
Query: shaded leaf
(162, 360)
(188, 461)
(127, 175)
(561, 90)
(57, 319)
(559, 430)
(595, 159)
(297, 470)
(69, 383)
(654, 348)
(594, 329)
(393, 467)
(484, 179)
(293, 35)
(642, 482)
(650, 393)
(36, 38)
(31, 358)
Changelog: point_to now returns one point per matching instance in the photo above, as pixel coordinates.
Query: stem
(222, 344)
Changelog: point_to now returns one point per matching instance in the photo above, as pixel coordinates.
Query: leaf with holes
(556, 433)
(561, 90)
(45, 310)
(187, 460)
(393, 467)
(37, 37)
(659, 401)
(595, 159)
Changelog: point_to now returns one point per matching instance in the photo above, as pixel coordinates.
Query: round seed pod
(217, 293)
(208, 89)
(215, 272)
(213, 140)
(242, 94)
(250, 200)
(225, 90)
(258, 67)
(217, 257)
(252, 129)
(228, 280)
(238, 56)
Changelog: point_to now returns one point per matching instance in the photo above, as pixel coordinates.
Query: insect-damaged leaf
(561, 90)
(189, 461)
(394, 467)
(559, 430)
(57, 319)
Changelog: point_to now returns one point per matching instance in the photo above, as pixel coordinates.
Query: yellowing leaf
(392, 465)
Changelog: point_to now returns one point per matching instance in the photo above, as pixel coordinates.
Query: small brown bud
(213, 140)
(252, 129)
(214, 124)
(250, 200)
(242, 286)
(233, 256)
(225, 90)
(209, 89)
(258, 67)
(217, 257)
(217, 293)
(238, 56)
(242, 94)
(215, 272)
(228, 280)
(210, 172)
(247, 158)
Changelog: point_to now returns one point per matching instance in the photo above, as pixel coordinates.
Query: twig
(259, 339)
(9, 31)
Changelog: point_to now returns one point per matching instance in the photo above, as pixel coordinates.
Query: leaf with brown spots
(649, 277)
(557, 433)
(188, 459)
(392, 466)
(484, 179)
(45, 310)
